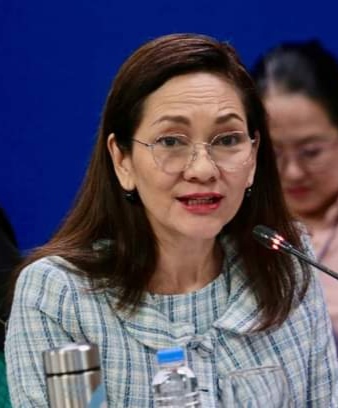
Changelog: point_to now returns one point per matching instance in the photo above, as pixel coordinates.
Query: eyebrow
(306, 140)
(174, 118)
(313, 138)
(185, 121)
(227, 117)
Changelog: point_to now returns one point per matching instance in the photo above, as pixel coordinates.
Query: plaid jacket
(295, 362)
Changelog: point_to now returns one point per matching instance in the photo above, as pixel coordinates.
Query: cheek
(326, 183)
(144, 170)
(154, 188)
(327, 177)
(240, 180)
(150, 192)
(234, 193)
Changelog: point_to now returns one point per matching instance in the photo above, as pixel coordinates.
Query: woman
(158, 249)
(299, 84)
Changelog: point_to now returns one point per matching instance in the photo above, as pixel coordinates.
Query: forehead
(201, 91)
(294, 118)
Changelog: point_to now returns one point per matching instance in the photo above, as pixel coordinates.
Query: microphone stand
(273, 240)
(312, 262)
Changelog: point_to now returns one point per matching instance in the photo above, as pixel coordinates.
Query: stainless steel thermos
(73, 376)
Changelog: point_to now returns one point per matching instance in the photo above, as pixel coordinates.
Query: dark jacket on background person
(9, 256)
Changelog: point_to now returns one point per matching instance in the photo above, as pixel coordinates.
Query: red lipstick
(297, 192)
(201, 203)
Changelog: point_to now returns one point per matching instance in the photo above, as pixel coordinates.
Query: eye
(172, 141)
(229, 139)
(311, 152)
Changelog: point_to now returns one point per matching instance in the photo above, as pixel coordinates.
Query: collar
(154, 329)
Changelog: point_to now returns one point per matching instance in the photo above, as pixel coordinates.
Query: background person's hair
(101, 211)
(301, 67)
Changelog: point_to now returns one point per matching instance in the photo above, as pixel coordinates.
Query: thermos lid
(71, 358)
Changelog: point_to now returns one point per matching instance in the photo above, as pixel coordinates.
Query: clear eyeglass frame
(174, 159)
(308, 158)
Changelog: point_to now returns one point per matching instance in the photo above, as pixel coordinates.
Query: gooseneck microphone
(272, 240)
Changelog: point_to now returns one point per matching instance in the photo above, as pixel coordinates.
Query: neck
(314, 223)
(183, 269)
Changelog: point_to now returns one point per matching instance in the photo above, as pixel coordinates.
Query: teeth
(200, 201)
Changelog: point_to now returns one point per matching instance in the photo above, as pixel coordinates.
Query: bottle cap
(71, 358)
(170, 355)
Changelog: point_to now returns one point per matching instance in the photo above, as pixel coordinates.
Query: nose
(201, 166)
(290, 169)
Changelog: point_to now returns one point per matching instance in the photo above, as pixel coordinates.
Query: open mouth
(200, 200)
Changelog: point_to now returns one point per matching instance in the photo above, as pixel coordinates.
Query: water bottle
(74, 377)
(175, 385)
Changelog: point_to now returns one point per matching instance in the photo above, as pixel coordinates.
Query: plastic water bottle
(73, 376)
(175, 385)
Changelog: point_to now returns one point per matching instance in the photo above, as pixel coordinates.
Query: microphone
(272, 240)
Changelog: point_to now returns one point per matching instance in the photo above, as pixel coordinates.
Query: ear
(252, 172)
(122, 164)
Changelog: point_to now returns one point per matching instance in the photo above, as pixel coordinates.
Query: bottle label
(99, 398)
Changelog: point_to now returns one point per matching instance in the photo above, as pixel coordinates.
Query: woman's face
(196, 202)
(306, 146)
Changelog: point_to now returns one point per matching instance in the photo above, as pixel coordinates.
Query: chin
(304, 211)
(203, 232)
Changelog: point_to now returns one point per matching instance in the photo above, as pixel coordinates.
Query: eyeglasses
(311, 156)
(175, 153)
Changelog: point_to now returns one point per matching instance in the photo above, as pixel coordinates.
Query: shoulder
(51, 268)
(47, 278)
(53, 282)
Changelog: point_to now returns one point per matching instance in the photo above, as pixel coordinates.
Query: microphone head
(269, 238)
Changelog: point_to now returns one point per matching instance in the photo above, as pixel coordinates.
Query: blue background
(57, 60)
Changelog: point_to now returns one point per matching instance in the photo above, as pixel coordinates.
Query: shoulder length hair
(101, 211)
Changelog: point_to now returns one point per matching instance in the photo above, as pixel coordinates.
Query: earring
(248, 192)
(130, 196)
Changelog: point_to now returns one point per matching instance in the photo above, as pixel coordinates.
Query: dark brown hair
(304, 67)
(101, 211)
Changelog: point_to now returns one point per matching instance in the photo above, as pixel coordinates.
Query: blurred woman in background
(299, 85)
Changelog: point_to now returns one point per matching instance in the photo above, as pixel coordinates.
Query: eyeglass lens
(229, 151)
(311, 156)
